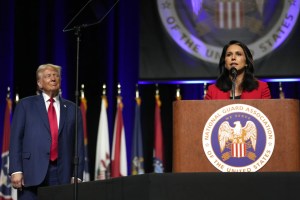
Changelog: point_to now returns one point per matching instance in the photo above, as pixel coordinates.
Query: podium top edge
(235, 100)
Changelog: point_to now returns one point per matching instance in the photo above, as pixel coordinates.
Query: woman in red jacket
(236, 79)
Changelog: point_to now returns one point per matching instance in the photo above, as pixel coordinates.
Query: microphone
(233, 72)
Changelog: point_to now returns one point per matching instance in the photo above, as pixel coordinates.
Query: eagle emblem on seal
(238, 140)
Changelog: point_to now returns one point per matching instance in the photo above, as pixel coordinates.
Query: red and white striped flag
(102, 162)
(119, 155)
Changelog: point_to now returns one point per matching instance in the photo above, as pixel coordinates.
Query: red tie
(54, 130)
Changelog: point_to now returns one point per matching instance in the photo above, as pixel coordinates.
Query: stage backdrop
(183, 39)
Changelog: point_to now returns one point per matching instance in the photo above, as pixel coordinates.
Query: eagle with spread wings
(237, 134)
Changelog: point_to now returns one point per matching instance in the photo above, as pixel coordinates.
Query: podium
(190, 117)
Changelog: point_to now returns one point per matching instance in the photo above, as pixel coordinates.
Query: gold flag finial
(82, 91)
(104, 89)
(156, 90)
(119, 97)
(137, 93)
(104, 95)
(204, 89)
(178, 95)
(281, 93)
(157, 97)
(8, 93)
(119, 89)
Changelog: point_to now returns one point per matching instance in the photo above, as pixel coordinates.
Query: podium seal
(238, 138)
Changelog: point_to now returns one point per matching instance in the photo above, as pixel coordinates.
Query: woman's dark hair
(224, 82)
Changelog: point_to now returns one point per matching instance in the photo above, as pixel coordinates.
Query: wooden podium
(190, 117)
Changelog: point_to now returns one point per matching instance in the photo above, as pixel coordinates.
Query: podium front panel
(190, 117)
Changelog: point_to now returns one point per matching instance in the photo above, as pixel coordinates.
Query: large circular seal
(202, 27)
(238, 138)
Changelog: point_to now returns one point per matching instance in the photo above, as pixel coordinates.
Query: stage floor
(184, 186)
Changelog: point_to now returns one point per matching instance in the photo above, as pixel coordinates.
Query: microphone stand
(77, 30)
(233, 72)
(76, 158)
(233, 89)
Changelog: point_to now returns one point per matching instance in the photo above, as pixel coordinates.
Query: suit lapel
(40, 102)
(63, 112)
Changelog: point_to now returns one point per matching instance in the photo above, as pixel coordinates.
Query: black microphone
(233, 72)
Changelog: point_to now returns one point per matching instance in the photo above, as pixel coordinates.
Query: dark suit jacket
(30, 141)
(262, 92)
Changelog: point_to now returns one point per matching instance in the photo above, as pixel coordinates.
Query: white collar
(47, 97)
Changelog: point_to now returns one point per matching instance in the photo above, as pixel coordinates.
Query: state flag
(158, 159)
(102, 161)
(7, 192)
(137, 160)
(83, 108)
(119, 154)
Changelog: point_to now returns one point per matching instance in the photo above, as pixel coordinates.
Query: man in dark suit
(42, 144)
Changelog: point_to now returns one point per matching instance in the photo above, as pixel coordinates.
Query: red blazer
(262, 92)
